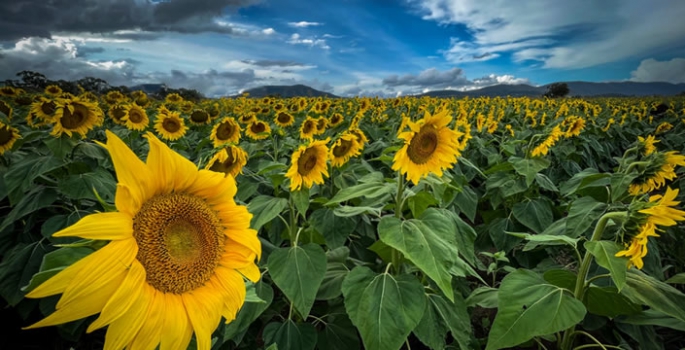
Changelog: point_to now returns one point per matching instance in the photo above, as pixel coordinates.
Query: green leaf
(561, 278)
(429, 243)
(646, 290)
(531, 307)
(542, 239)
(17, 268)
(485, 297)
(298, 272)
(383, 307)
(677, 279)
(620, 184)
(336, 271)
(39, 198)
(368, 190)
(19, 177)
(81, 186)
(338, 334)
(605, 255)
(582, 214)
(535, 214)
(606, 301)
(250, 311)
(348, 210)
(264, 209)
(465, 236)
(301, 200)
(60, 146)
(290, 335)
(335, 229)
(467, 202)
(420, 202)
(652, 317)
(502, 241)
(545, 183)
(442, 316)
(529, 167)
(587, 178)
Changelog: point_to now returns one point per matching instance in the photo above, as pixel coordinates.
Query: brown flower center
(258, 127)
(225, 131)
(341, 149)
(171, 125)
(48, 107)
(284, 118)
(225, 166)
(135, 116)
(199, 117)
(72, 120)
(307, 161)
(6, 135)
(423, 145)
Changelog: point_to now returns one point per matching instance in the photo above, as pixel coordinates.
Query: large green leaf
(605, 255)
(335, 229)
(529, 167)
(531, 307)
(298, 272)
(338, 334)
(384, 308)
(606, 301)
(81, 186)
(465, 236)
(652, 317)
(535, 214)
(582, 214)
(38, 198)
(17, 268)
(677, 279)
(250, 311)
(264, 209)
(368, 190)
(429, 243)
(442, 316)
(646, 290)
(290, 335)
(336, 271)
(467, 202)
(485, 297)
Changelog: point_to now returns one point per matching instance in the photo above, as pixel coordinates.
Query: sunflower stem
(581, 279)
(395, 254)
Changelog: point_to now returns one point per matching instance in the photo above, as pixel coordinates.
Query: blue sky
(348, 47)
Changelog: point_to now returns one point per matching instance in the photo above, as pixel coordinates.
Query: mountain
(577, 88)
(287, 91)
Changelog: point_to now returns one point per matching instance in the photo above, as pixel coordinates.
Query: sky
(346, 47)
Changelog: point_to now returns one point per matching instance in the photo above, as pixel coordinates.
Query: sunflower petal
(171, 170)
(215, 187)
(176, 330)
(130, 170)
(102, 226)
(125, 296)
(233, 288)
(204, 311)
(124, 329)
(150, 333)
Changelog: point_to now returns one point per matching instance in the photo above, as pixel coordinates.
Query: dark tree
(555, 90)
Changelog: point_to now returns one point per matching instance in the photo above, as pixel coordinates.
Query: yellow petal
(149, 335)
(170, 170)
(176, 331)
(126, 202)
(102, 226)
(215, 187)
(251, 271)
(123, 298)
(203, 306)
(122, 331)
(130, 170)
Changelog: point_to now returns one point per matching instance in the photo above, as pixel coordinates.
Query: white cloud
(570, 34)
(296, 39)
(269, 31)
(304, 24)
(649, 70)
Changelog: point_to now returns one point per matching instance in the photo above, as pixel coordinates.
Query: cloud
(295, 39)
(304, 24)
(87, 50)
(269, 31)
(41, 18)
(452, 79)
(651, 70)
(570, 34)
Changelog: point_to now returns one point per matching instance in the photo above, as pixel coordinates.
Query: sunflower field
(314, 223)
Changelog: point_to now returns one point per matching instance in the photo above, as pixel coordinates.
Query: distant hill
(578, 88)
(286, 91)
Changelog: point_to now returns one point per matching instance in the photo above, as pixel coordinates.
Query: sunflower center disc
(171, 125)
(180, 239)
(307, 162)
(73, 120)
(258, 128)
(135, 116)
(308, 126)
(224, 131)
(199, 116)
(342, 149)
(5, 135)
(225, 166)
(283, 118)
(423, 145)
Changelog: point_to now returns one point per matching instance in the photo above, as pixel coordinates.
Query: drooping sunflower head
(284, 119)
(53, 90)
(663, 127)
(308, 165)
(575, 126)
(173, 98)
(248, 118)
(258, 130)
(646, 145)
(229, 160)
(114, 97)
(308, 128)
(199, 117)
(659, 170)
(429, 147)
(361, 137)
(343, 149)
(6, 109)
(76, 116)
(170, 126)
(226, 131)
(336, 119)
(8, 136)
(179, 250)
(117, 112)
(135, 117)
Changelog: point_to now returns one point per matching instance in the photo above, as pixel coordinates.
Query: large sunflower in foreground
(8, 136)
(308, 165)
(179, 249)
(229, 160)
(226, 131)
(75, 116)
(429, 147)
(170, 126)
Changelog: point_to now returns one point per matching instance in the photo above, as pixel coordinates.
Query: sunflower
(575, 126)
(284, 119)
(647, 144)
(343, 149)
(43, 109)
(53, 90)
(663, 127)
(336, 119)
(75, 115)
(114, 97)
(308, 128)
(179, 250)
(199, 117)
(135, 117)
(229, 160)
(226, 131)
(187, 107)
(88, 96)
(8, 136)
(247, 118)
(658, 171)
(8, 91)
(258, 130)
(173, 98)
(543, 148)
(6, 109)
(308, 165)
(214, 111)
(142, 101)
(429, 147)
(361, 137)
(170, 126)
(117, 112)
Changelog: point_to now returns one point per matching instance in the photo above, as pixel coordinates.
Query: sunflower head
(336, 119)
(114, 97)
(8, 136)
(8, 91)
(173, 98)
(646, 145)
(170, 126)
(179, 250)
(187, 107)
(343, 149)
(229, 160)
(226, 131)
(53, 90)
(308, 165)
(199, 117)
(258, 130)
(117, 112)
(88, 96)
(135, 117)
(6, 109)
(248, 118)
(76, 116)
(308, 128)
(284, 119)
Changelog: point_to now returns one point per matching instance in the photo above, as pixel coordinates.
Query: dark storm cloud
(429, 78)
(88, 50)
(26, 18)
